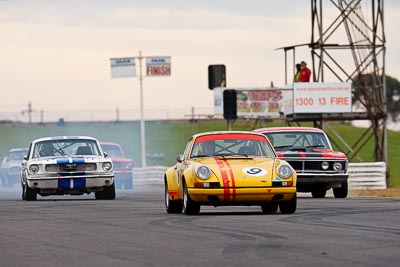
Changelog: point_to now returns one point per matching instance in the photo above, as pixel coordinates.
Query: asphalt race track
(135, 230)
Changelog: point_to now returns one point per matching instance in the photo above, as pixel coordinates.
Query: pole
(142, 130)
(29, 111)
(229, 122)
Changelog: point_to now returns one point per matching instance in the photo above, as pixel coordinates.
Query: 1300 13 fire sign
(322, 97)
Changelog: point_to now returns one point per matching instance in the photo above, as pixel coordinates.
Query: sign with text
(321, 97)
(255, 102)
(123, 67)
(158, 66)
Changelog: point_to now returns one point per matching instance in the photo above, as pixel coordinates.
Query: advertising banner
(158, 66)
(123, 67)
(321, 97)
(256, 102)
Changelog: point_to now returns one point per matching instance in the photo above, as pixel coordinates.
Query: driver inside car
(208, 148)
(47, 150)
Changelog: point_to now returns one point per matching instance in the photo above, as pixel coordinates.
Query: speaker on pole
(230, 106)
(216, 76)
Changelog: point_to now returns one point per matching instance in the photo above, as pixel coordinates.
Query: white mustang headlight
(107, 166)
(284, 171)
(203, 172)
(34, 169)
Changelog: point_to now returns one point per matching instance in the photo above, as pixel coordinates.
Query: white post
(142, 132)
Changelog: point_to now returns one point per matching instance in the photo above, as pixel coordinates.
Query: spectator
(297, 75)
(305, 73)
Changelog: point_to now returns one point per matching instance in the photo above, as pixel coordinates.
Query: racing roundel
(254, 171)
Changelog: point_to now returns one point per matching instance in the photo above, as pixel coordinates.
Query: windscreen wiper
(62, 150)
(202, 156)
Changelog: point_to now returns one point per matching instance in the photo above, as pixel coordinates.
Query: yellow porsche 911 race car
(230, 168)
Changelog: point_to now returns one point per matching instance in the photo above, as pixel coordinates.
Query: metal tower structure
(365, 40)
(348, 45)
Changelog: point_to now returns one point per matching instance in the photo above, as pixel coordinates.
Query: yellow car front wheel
(189, 206)
(288, 207)
(172, 206)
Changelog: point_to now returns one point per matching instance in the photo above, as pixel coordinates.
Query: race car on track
(10, 167)
(123, 166)
(310, 153)
(72, 165)
(230, 168)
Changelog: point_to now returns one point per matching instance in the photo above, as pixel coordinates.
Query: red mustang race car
(123, 167)
(310, 153)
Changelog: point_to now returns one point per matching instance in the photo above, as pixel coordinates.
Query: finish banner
(158, 66)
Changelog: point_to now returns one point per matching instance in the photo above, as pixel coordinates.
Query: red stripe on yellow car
(232, 179)
(224, 175)
(227, 176)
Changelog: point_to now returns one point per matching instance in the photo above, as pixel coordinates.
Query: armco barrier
(153, 175)
(367, 175)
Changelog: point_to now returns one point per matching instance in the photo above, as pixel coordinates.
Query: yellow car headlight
(284, 171)
(203, 172)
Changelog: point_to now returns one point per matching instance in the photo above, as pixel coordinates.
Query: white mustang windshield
(65, 148)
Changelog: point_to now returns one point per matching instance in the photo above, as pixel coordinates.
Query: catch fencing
(367, 175)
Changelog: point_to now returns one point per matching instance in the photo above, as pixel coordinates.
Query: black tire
(341, 192)
(269, 207)
(28, 193)
(23, 192)
(189, 206)
(108, 193)
(99, 195)
(172, 206)
(318, 191)
(288, 207)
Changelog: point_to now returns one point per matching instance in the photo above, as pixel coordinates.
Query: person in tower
(305, 73)
(297, 75)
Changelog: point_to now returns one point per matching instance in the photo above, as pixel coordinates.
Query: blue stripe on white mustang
(71, 183)
(71, 173)
(79, 182)
(70, 160)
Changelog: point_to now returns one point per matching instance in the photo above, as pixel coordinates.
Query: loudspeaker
(230, 106)
(216, 76)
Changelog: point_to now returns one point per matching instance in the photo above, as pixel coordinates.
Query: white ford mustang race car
(72, 165)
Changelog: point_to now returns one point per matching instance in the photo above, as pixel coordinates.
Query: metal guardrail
(149, 175)
(368, 175)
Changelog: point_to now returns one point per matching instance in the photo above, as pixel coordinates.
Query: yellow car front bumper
(250, 195)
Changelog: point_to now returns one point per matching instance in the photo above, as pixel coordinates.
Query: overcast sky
(56, 53)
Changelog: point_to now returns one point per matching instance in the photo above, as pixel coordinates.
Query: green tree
(392, 93)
